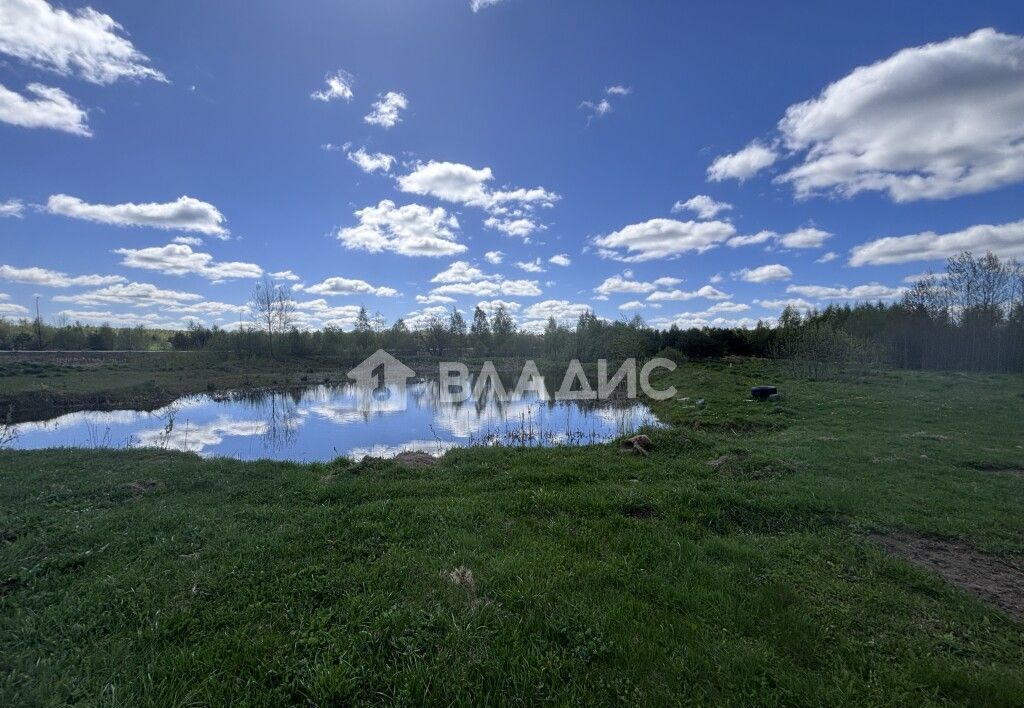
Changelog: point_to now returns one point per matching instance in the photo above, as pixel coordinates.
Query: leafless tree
(273, 309)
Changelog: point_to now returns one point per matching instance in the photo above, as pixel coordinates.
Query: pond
(319, 423)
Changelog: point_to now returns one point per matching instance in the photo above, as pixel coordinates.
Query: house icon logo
(381, 382)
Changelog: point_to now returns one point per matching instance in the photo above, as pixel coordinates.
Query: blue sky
(800, 134)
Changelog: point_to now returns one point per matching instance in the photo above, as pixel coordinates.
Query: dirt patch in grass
(998, 579)
(143, 487)
(413, 458)
(998, 468)
(640, 511)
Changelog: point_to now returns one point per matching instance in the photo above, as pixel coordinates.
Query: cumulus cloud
(490, 288)
(55, 279)
(12, 207)
(180, 259)
(561, 310)
(929, 122)
(494, 257)
(461, 272)
(782, 304)
(742, 165)
(9, 309)
(806, 237)
(410, 230)
(765, 273)
(85, 43)
(137, 294)
(337, 86)
(560, 259)
(50, 108)
(870, 291)
(633, 305)
(533, 266)
(626, 284)
(285, 275)
(1005, 240)
(434, 299)
(185, 213)
(702, 205)
(386, 111)
(461, 184)
(371, 162)
(663, 238)
(349, 286)
(828, 257)
(510, 209)
(707, 291)
(522, 228)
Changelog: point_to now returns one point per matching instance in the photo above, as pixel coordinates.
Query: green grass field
(514, 577)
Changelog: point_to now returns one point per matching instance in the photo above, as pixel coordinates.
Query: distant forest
(969, 317)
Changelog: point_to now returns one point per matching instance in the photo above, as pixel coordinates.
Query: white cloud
(434, 299)
(12, 207)
(337, 85)
(461, 272)
(603, 106)
(765, 273)
(620, 284)
(285, 275)
(828, 257)
(871, 291)
(490, 306)
(560, 259)
(1005, 240)
(462, 184)
(494, 257)
(490, 288)
(450, 181)
(127, 319)
(743, 164)
(632, 305)
(137, 294)
(929, 122)
(349, 286)
(752, 239)
(704, 206)
(697, 320)
(706, 291)
(533, 266)
(806, 237)
(9, 309)
(386, 111)
(86, 43)
(180, 259)
(51, 108)
(798, 303)
(371, 162)
(188, 240)
(186, 214)
(662, 238)
(418, 319)
(513, 227)
(478, 5)
(54, 279)
(561, 310)
(411, 230)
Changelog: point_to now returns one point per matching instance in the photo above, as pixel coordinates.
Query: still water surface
(325, 422)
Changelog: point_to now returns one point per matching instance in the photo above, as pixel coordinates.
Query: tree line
(968, 317)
